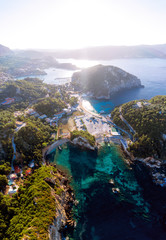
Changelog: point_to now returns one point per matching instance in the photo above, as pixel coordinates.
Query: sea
(101, 213)
(151, 72)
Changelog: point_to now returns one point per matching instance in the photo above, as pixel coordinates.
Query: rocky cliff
(83, 143)
(103, 81)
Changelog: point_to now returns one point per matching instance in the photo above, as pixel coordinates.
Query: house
(31, 164)
(59, 115)
(43, 116)
(17, 113)
(12, 189)
(53, 124)
(10, 182)
(8, 101)
(114, 132)
(13, 176)
(28, 172)
(48, 120)
(30, 111)
(19, 123)
(36, 115)
(139, 104)
(17, 169)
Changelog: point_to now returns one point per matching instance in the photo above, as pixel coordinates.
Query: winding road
(124, 120)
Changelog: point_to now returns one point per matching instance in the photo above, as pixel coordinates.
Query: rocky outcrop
(156, 169)
(104, 81)
(83, 143)
(65, 200)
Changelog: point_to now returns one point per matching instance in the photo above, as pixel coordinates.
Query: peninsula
(101, 82)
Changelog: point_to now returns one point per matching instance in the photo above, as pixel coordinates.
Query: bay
(54, 76)
(102, 214)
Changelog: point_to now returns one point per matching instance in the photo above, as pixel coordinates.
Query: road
(124, 120)
(14, 154)
(14, 146)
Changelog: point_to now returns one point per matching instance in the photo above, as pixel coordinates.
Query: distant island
(101, 82)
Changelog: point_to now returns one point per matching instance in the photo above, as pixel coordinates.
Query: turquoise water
(102, 214)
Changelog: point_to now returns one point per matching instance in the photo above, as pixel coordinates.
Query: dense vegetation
(31, 139)
(149, 122)
(102, 80)
(7, 126)
(84, 134)
(29, 212)
(50, 106)
(23, 91)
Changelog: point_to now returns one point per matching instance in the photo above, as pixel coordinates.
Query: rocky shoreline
(64, 222)
(83, 143)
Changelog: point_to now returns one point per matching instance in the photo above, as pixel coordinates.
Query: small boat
(111, 181)
(116, 190)
(59, 147)
(102, 111)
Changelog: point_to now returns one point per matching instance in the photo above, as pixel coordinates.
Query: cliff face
(103, 81)
(83, 143)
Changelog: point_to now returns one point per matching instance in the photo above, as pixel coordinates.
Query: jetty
(56, 144)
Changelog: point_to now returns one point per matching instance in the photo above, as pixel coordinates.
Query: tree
(3, 182)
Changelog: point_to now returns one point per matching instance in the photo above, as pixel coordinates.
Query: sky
(72, 24)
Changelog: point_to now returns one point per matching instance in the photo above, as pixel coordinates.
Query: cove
(102, 214)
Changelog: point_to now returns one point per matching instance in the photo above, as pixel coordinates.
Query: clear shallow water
(101, 214)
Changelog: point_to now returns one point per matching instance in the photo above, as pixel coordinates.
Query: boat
(111, 181)
(59, 147)
(116, 190)
(102, 111)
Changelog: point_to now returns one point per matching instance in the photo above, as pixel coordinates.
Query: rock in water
(103, 81)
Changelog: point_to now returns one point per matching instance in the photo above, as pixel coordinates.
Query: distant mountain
(5, 51)
(32, 54)
(114, 52)
(101, 81)
(99, 52)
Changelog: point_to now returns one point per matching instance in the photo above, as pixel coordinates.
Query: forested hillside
(148, 118)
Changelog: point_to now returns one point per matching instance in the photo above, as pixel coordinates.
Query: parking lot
(94, 125)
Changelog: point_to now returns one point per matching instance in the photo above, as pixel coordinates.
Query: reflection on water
(101, 214)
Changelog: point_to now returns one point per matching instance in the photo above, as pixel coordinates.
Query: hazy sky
(79, 23)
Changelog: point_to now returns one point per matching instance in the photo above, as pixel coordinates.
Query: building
(8, 101)
(43, 116)
(59, 115)
(30, 111)
(17, 169)
(48, 120)
(17, 113)
(18, 123)
(114, 132)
